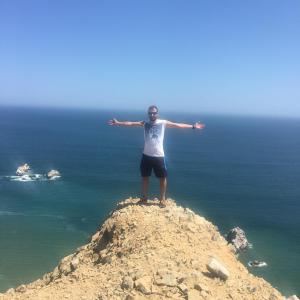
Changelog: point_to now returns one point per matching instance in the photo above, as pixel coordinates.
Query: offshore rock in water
(294, 297)
(257, 263)
(22, 170)
(237, 238)
(53, 174)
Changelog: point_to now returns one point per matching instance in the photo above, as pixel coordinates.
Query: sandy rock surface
(149, 252)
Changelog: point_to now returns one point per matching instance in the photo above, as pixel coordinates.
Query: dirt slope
(149, 252)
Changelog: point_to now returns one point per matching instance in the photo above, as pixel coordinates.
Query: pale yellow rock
(218, 269)
(144, 285)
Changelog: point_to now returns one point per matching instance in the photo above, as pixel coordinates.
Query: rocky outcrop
(149, 252)
(53, 174)
(22, 170)
(237, 238)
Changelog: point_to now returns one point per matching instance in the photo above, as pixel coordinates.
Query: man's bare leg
(163, 189)
(145, 185)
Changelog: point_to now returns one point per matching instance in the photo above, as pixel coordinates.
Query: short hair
(153, 107)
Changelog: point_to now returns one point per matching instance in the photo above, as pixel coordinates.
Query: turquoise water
(239, 171)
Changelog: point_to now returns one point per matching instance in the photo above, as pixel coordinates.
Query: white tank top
(154, 138)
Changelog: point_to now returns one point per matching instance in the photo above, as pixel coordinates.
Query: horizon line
(138, 110)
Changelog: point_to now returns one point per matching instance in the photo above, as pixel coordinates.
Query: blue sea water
(239, 171)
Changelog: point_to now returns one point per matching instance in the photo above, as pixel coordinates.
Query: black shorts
(156, 163)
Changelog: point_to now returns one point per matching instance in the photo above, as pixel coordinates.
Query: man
(153, 155)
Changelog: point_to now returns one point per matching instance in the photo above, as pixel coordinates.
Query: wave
(10, 213)
(50, 216)
(30, 177)
(257, 264)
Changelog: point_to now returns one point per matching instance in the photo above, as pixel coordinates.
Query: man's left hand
(199, 125)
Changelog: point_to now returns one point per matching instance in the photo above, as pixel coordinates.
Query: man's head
(153, 113)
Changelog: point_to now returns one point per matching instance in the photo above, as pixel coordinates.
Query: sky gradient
(233, 57)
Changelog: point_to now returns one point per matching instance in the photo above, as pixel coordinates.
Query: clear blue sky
(221, 56)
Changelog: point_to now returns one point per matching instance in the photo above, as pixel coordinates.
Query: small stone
(195, 264)
(214, 237)
(191, 279)
(95, 257)
(46, 278)
(190, 214)
(21, 288)
(203, 293)
(183, 288)
(251, 289)
(74, 263)
(103, 253)
(190, 227)
(294, 297)
(166, 278)
(84, 247)
(274, 296)
(75, 276)
(201, 287)
(217, 269)
(65, 266)
(55, 274)
(144, 285)
(95, 237)
(127, 283)
(136, 274)
(106, 260)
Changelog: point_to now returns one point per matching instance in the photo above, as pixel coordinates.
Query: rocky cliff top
(149, 252)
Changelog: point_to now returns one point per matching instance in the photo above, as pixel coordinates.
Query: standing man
(153, 155)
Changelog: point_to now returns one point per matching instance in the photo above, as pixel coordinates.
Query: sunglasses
(152, 113)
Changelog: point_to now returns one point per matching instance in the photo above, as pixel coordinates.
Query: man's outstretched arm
(125, 123)
(196, 125)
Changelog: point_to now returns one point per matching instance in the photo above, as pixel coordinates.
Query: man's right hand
(113, 122)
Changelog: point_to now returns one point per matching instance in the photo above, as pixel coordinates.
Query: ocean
(239, 171)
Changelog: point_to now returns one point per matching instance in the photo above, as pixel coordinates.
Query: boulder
(237, 238)
(217, 269)
(22, 169)
(52, 174)
(294, 297)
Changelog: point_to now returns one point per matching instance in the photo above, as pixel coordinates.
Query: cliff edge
(149, 252)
